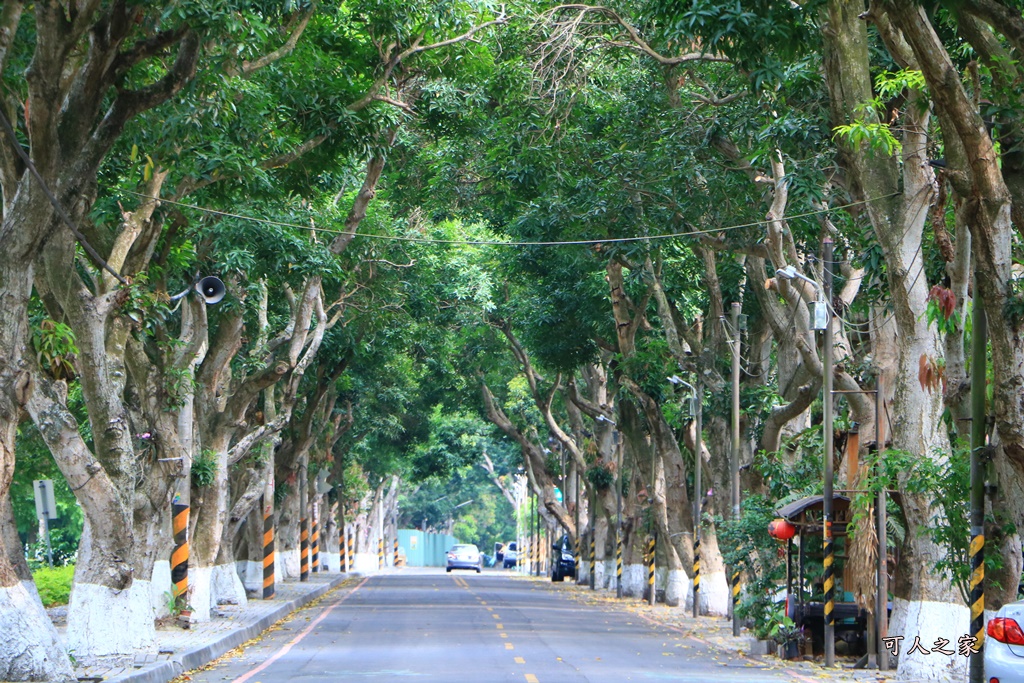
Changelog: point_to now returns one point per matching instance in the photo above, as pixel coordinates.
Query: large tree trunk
(926, 604)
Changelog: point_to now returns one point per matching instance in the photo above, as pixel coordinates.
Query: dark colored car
(563, 561)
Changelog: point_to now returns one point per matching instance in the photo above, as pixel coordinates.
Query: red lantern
(781, 530)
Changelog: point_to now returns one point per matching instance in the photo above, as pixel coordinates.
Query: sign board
(46, 506)
(414, 541)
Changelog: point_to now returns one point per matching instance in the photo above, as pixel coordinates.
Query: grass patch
(54, 585)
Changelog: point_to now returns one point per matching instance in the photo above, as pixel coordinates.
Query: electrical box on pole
(46, 506)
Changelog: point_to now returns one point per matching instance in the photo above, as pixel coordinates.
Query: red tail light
(1005, 630)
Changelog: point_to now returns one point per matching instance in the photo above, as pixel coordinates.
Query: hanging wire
(496, 243)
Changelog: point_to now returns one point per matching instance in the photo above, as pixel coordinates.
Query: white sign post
(46, 509)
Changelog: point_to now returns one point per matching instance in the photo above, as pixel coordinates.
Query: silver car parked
(1004, 646)
(465, 556)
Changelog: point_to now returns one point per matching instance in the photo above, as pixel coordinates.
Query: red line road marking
(294, 641)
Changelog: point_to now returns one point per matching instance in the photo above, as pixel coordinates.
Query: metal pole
(593, 541)
(697, 491)
(882, 592)
(651, 578)
(735, 454)
(618, 514)
(46, 534)
(579, 543)
(829, 559)
(979, 364)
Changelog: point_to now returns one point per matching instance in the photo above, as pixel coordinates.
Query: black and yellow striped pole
(577, 555)
(314, 544)
(179, 557)
(395, 559)
(830, 590)
(696, 574)
(342, 554)
(351, 556)
(593, 558)
(651, 546)
(618, 563)
(304, 549)
(268, 553)
(735, 594)
(380, 553)
(979, 370)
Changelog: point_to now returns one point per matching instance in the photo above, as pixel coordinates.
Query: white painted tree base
(677, 588)
(200, 592)
(290, 562)
(608, 574)
(599, 574)
(227, 587)
(108, 627)
(929, 621)
(365, 563)
(161, 588)
(252, 575)
(634, 580)
(29, 648)
(714, 595)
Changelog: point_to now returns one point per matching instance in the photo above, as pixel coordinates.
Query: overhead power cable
(497, 243)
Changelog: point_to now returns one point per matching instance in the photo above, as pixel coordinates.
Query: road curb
(168, 670)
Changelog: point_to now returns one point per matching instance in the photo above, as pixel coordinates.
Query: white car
(1004, 646)
(465, 556)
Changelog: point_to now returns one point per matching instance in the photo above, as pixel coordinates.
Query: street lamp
(697, 413)
(820, 321)
(819, 307)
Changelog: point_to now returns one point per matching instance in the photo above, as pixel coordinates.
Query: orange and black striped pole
(395, 561)
(314, 545)
(268, 552)
(351, 548)
(380, 553)
(179, 557)
(651, 545)
(342, 547)
(304, 550)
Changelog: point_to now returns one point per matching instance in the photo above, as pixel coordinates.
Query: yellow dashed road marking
(496, 616)
(508, 646)
(499, 626)
(520, 660)
(530, 678)
(503, 635)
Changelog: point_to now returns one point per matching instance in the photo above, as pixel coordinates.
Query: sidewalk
(182, 650)
(716, 633)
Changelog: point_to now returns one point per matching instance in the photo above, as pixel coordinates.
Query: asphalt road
(426, 625)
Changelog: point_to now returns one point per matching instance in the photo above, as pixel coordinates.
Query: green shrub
(54, 585)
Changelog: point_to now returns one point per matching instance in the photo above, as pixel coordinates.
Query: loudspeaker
(321, 484)
(211, 289)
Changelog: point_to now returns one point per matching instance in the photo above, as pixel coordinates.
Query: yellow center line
(489, 609)
(496, 616)
(503, 635)
(530, 678)
(508, 646)
(520, 660)
(499, 626)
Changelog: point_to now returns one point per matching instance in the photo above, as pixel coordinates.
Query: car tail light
(1005, 630)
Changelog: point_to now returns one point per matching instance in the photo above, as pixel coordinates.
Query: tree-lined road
(431, 626)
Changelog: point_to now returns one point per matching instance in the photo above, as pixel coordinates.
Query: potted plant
(787, 634)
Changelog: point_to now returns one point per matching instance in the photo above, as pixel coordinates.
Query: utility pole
(882, 571)
(618, 514)
(735, 454)
(698, 495)
(829, 558)
(979, 363)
